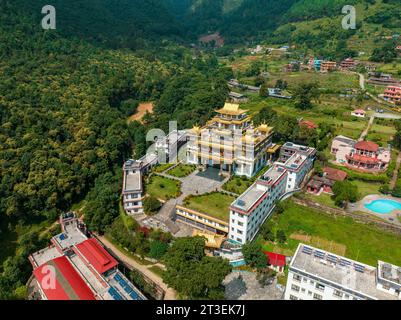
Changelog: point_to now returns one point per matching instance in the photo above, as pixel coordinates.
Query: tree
(266, 232)
(254, 255)
(265, 276)
(281, 84)
(281, 237)
(304, 93)
(157, 249)
(151, 205)
(187, 267)
(344, 192)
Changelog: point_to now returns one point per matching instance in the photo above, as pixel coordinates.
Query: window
(297, 277)
(338, 293)
(239, 231)
(309, 293)
(319, 286)
(240, 223)
(317, 296)
(293, 297)
(295, 288)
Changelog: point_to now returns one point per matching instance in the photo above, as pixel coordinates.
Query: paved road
(170, 293)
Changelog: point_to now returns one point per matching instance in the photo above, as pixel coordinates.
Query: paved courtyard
(196, 183)
(242, 285)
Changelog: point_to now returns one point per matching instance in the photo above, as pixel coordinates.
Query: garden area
(343, 235)
(163, 188)
(182, 170)
(239, 184)
(215, 204)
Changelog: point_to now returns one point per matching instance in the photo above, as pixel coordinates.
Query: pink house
(359, 113)
(364, 156)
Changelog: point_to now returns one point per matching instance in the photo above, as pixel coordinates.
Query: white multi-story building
(316, 274)
(163, 150)
(255, 205)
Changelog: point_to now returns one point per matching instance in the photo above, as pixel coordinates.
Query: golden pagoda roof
(212, 240)
(264, 128)
(231, 109)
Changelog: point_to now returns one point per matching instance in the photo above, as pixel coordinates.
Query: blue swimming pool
(238, 263)
(383, 206)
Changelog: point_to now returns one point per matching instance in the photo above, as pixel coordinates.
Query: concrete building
(316, 274)
(365, 156)
(360, 113)
(328, 66)
(75, 267)
(230, 142)
(348, 64)
(256, 204)
(392, 94)
(237, 97)
(163, 150)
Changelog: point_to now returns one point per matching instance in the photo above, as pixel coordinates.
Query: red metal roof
(309, 124)
(275, 259)
(363, 159)
(334, 174)
(367, 145)
(68, 284)
(96, 255)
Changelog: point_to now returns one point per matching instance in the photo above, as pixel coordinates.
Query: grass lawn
(163, 188)
(182, 170)
(162, 167)
(239, 185)
(363, 243)
(157, 270)
(215, 204)
(381, 134)
(367, 188)
(324, 199)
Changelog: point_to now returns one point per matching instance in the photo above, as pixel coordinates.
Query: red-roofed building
(364, 156)
(60, 281)
(275, 261)
(74, 267)
(359, 113)
(392, 94)
(334, 174)
(308, 124)
(96, 255)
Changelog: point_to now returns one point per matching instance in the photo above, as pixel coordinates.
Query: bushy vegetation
(193, 274)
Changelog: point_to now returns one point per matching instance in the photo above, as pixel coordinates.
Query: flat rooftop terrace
(252, 195)
(71, 237)
(42, 256)
(349, 274)
(133, 182)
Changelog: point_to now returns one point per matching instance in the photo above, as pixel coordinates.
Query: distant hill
(111, 22)
(310, 23)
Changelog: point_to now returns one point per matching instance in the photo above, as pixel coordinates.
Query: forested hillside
(64, 101)
(306, 23)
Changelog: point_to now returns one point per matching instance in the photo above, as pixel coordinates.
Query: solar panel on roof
(332, 258)
(241, 203)
(344, 262)
(307, 250)
(359, 267)
(319, 254)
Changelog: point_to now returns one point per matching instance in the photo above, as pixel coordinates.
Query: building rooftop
(295, 161)
(389, 272)
(96, 255)
(231, 109)
(351, 275)
(70, 237)
(251, 196)
(273, 174)
(133, 181)
(68, 285)
(345, 140)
